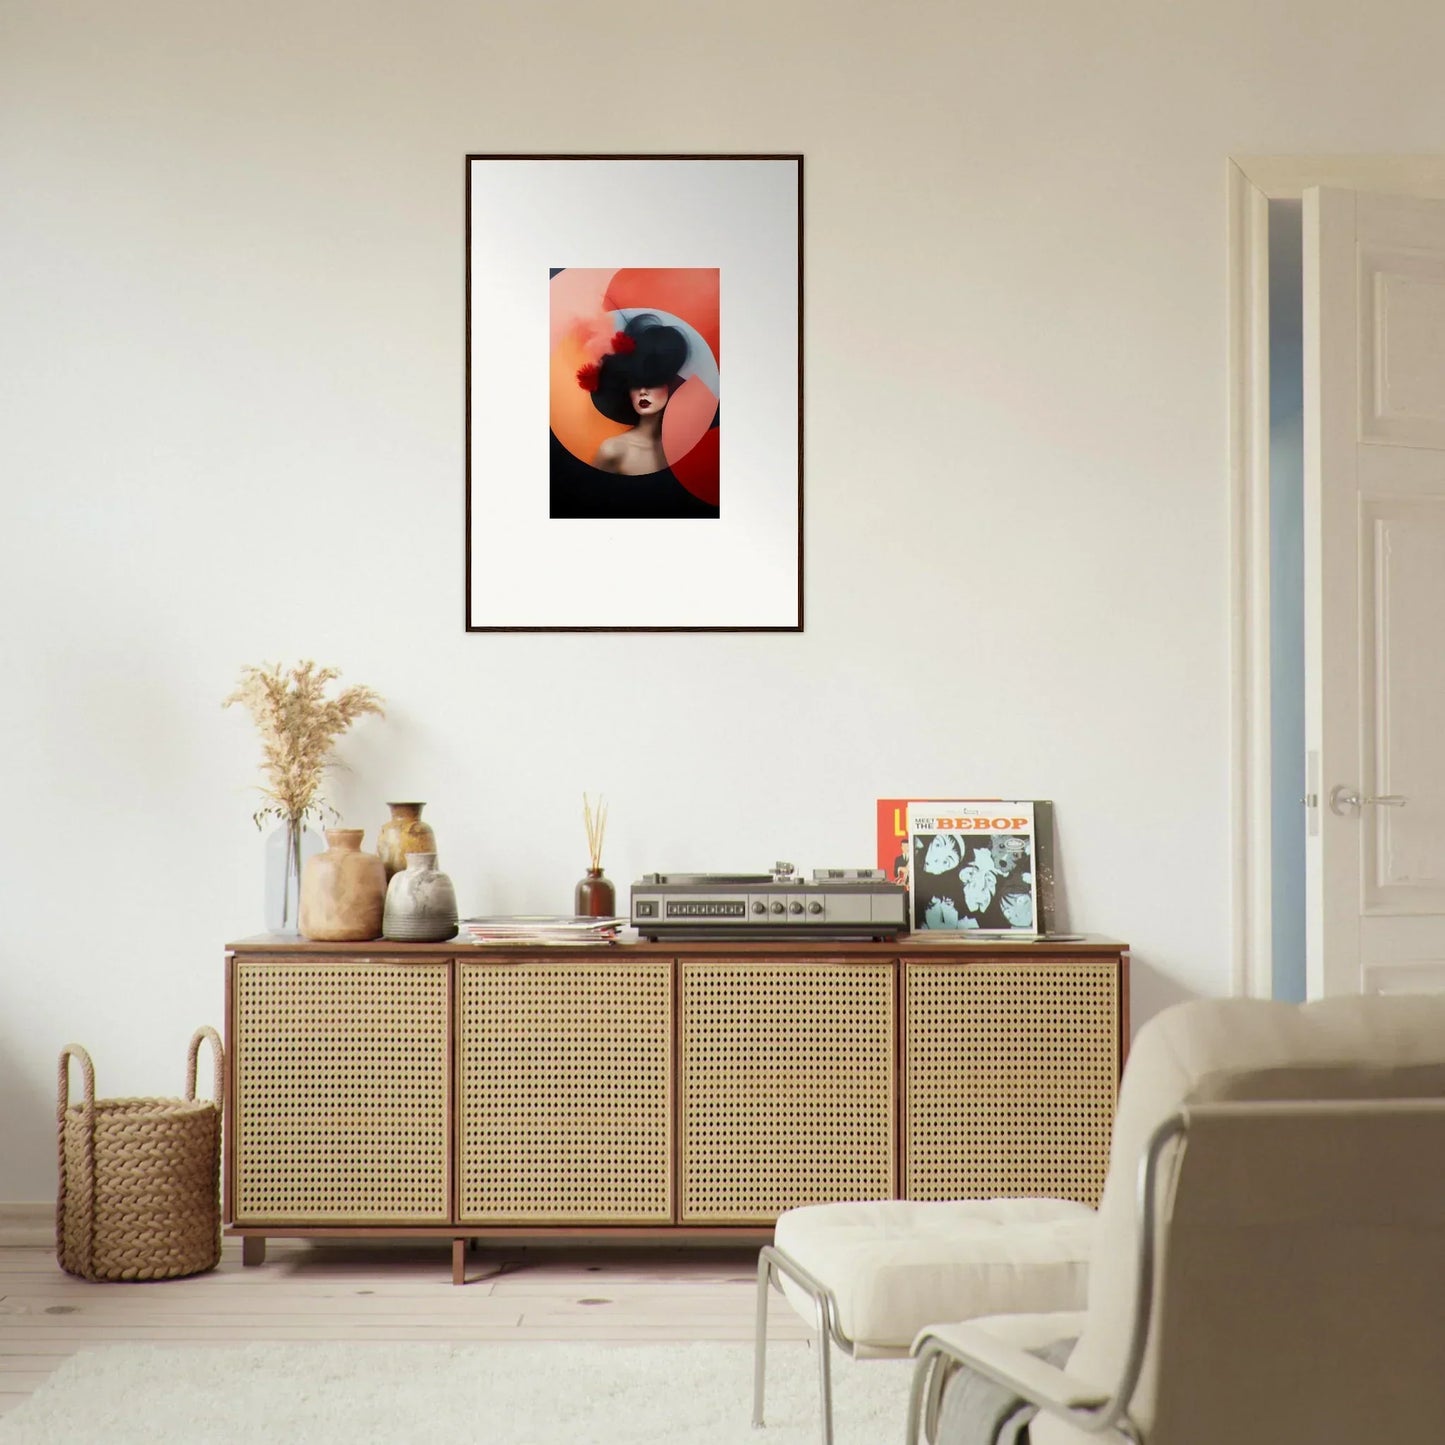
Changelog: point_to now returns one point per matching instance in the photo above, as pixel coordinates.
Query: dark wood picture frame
(476, 623)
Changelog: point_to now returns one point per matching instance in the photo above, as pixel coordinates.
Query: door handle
(1342, 796)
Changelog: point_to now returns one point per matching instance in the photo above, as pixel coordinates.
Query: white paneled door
(1374, 283)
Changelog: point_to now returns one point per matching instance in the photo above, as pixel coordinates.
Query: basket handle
(205, 1032)
(87, 1071)
(86, 1184)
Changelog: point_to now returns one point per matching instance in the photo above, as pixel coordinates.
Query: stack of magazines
(540, 928)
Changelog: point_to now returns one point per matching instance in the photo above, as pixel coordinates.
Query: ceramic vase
(421, 904)
(343, 890)
(595, 897)
(403, 833)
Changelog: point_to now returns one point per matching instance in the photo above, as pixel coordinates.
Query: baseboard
(27, 1225)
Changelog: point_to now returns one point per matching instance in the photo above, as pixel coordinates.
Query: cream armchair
(1269, 1266)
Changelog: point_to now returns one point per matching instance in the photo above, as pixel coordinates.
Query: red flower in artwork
(623, 344)
(589, 376)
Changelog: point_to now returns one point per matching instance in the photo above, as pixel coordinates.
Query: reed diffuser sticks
(596, 822)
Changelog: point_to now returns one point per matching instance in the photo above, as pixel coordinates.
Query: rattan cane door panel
(565, 1076)
(787, 1086)
(1010, 1075)
(342, 1091)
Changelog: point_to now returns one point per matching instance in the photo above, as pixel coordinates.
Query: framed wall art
(634, 387)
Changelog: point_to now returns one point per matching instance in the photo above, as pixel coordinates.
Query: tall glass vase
(288, 846)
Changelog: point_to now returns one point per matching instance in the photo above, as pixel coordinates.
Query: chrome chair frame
(772, 1262)
(1107, 1417)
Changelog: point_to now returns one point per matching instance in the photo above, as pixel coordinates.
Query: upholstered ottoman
(870, 1275)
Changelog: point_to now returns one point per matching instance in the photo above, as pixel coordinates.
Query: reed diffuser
(595, 896)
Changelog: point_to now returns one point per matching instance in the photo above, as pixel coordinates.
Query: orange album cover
(893, 833)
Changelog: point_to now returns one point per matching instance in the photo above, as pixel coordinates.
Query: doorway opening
(1275, 791)
(1286, 601)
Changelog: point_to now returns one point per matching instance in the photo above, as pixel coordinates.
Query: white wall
(231, 340)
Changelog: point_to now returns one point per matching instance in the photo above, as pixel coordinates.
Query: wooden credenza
(664, 1091)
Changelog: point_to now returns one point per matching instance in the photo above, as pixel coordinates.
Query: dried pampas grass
(298, 724)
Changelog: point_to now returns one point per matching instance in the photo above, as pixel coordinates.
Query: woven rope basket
(139, 1178)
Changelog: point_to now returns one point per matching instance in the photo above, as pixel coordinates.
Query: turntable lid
(701, 878)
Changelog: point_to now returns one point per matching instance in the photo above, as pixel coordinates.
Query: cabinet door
(787, 1086)
(565, 1081)
(1010, 1073)
(341, 1091)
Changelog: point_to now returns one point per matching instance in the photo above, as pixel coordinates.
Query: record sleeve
(971, 864)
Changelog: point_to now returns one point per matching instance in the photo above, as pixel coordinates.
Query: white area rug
(483, 1394)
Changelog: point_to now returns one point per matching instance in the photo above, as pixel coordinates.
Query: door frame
(1252, 182)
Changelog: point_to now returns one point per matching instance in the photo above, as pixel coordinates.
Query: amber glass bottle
(595, 896)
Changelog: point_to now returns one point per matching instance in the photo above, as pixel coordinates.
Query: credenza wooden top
(910, 945)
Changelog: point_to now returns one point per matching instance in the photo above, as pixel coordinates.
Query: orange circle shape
(576, 423)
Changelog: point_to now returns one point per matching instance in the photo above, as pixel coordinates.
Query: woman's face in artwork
(646, 400)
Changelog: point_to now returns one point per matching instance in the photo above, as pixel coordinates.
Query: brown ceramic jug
(403, 833)
(343, 890)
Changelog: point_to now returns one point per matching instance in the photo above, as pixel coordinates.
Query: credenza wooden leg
(459, 1261)
(253, 1249)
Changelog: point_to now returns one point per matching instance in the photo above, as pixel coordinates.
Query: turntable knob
(777, 907)
(815, 907)
(760, 907)
(795, 907)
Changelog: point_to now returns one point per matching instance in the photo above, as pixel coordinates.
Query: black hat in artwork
(646, 352)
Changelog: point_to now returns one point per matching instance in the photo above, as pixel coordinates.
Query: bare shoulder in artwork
(610, 454)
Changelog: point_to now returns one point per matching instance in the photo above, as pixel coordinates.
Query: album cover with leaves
(980, 864)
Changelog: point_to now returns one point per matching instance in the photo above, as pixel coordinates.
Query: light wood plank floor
(378, 1292)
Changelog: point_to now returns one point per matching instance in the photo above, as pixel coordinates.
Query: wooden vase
(343, 891)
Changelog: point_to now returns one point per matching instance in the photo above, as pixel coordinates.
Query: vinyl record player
(834, 903)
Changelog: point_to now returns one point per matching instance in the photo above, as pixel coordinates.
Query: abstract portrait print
(634, 392)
